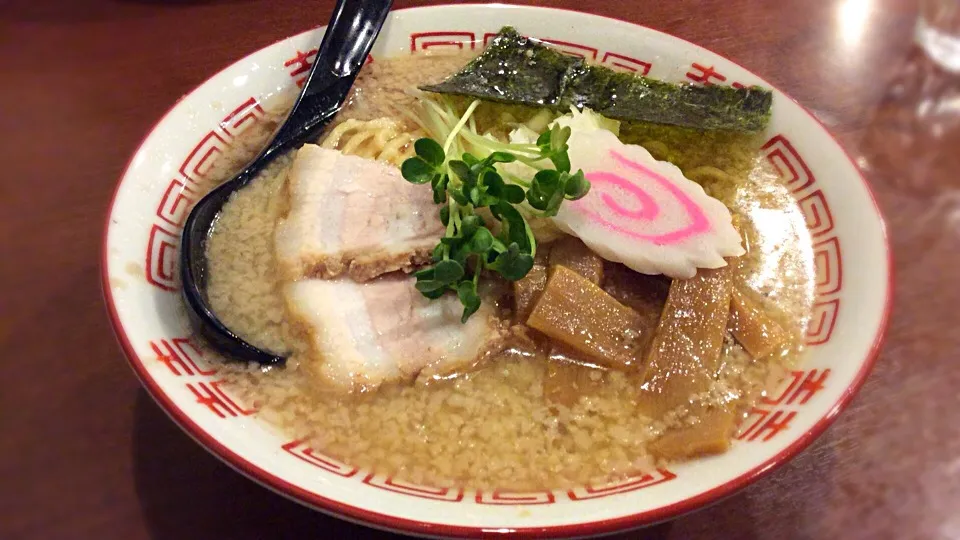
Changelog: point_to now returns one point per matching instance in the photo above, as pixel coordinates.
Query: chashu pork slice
(352, 216)
(361, 335)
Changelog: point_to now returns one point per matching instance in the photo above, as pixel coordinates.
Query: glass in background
(938, 32)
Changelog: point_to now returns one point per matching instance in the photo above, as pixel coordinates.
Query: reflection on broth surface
(532, 412)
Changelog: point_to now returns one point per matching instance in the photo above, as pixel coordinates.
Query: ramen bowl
(199, 133)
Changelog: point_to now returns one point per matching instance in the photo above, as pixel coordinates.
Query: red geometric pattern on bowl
(182, 357)
(772, 415)
(769, 417)
(508, 498)
(160, 264)
(707, 75)
(445, 39)
(303, 452)
(300, 450)
(646, 480)
(625, 63)
(828, 260)
(829, 278)
(164, 240)
(175, 203)
(388, 483)
(823, 318)
(204, 154)
(212, 396)
(793, 172)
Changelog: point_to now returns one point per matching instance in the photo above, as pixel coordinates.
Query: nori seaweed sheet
(519, 70)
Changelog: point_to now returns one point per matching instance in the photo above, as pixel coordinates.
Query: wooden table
(87, 454)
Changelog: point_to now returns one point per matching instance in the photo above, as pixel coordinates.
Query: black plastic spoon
(349, 37)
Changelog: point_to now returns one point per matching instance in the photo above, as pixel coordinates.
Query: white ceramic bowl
(143, 226)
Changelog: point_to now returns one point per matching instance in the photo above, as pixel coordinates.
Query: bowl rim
(389, 522)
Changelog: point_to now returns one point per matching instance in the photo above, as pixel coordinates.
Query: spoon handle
(349, 37)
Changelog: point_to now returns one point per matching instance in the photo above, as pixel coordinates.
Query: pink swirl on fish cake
(648, 209)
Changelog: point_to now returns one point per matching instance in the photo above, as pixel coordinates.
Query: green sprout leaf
(513, 194)
(561, 161)
(469, 225)
(429, 151)
(553, 146)
(461, 169)
(513, 226)
(459, 197)
(501, 157)
(547, 191)
(470, 159)
(469, 249)
(418, 171)
(427, 165)
(577, 186)
(481, 242)
(433, 295)
(447, 271)
(439, 186)
(427, 282)
(467, 292)
(513, 264)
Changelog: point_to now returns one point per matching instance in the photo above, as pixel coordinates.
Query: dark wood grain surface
(87, 454)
